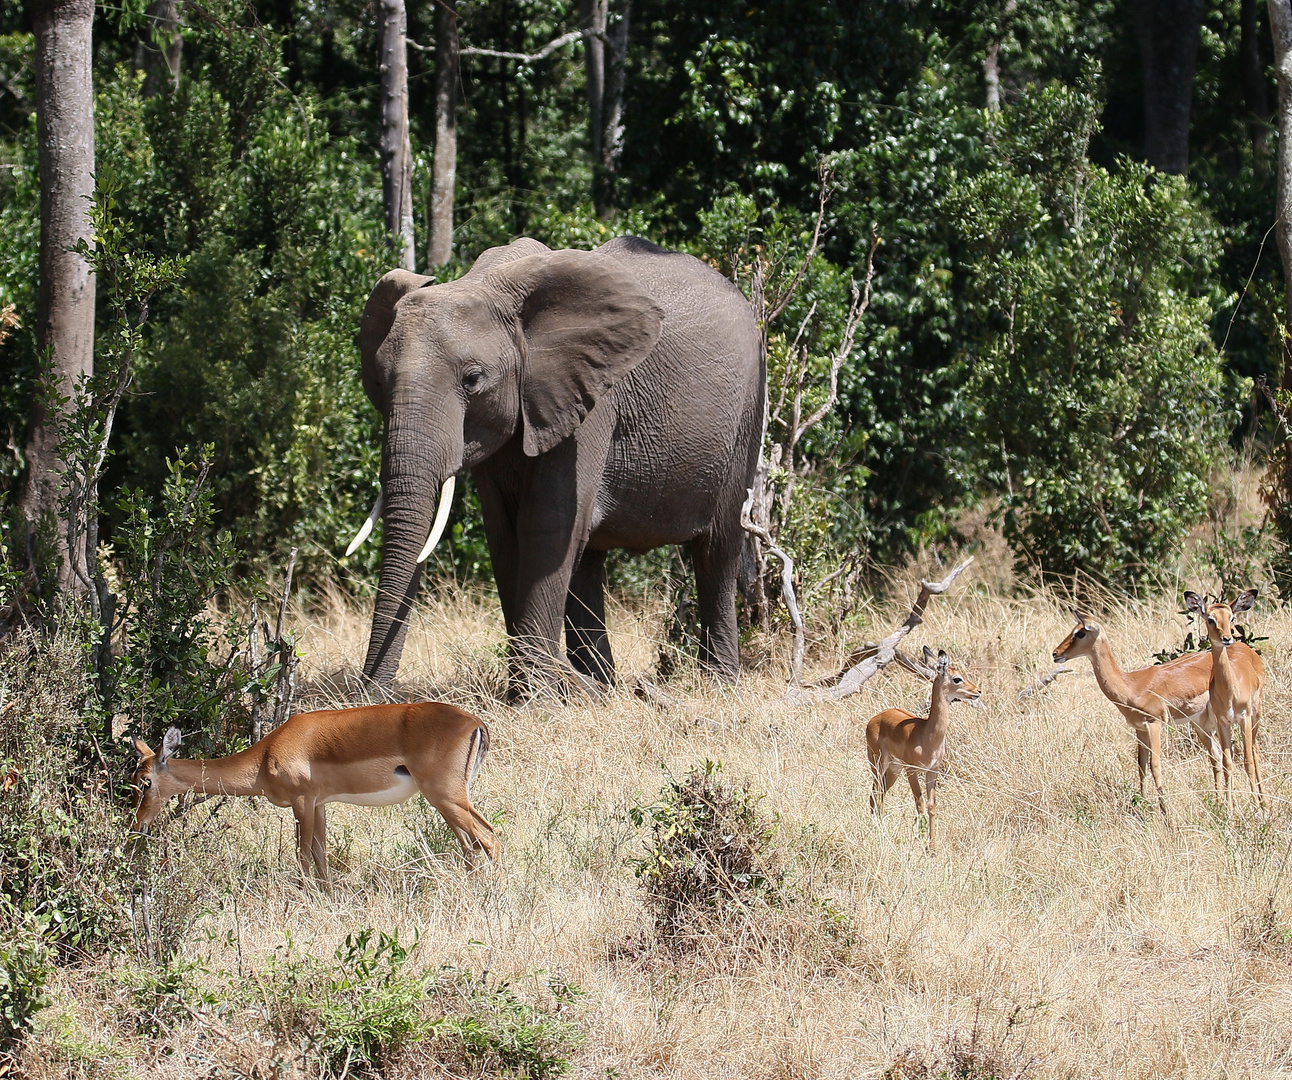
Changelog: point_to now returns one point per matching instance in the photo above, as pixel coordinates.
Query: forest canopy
(1062, 327)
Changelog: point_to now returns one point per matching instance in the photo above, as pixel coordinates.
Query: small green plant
(707, 856)
(161, 997)
(25, 966)
(496, 1033)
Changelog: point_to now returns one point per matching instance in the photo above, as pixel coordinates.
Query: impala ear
(170, 743)
(1195, 603)
(584, 322)
(944, 662)
(930, 657)
(143, 749)
(1244, 602)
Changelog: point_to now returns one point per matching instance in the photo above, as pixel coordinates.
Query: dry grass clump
(1064, 929)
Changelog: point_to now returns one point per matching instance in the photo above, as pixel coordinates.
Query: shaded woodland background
(1061, 334)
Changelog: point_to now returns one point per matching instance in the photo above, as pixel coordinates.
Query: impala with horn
(375, 755)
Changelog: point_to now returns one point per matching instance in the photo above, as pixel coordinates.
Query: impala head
(1081, 642)
(952, 682)
(1220, 616)
(152, 780)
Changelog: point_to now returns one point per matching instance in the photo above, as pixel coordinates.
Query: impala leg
(1142, 756)
(319, 846)
(1227, 760)
(1212, 740)
(878, 776)
(473, 831)
(913, 778)
(1155, 763)
(303, 809)
(931, 783)
(1250, 758)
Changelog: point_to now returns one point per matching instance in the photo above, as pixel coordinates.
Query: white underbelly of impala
(403, 787)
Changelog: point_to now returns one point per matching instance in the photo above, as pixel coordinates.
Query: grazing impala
(1237, 678)
(897, 740)
(375, 755)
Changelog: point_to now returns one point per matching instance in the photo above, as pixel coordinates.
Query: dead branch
(649, 692)
(787, 586)
(886, 651)
(1040, 685)
(527, 58)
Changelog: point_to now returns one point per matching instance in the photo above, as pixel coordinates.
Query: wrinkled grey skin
(603, 399)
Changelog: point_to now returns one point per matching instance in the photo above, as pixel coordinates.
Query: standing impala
(897, 740)
(376, 755)
(1237, 678)
(1149, 697)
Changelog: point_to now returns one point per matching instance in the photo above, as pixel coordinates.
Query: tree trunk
(445, 167)
(162, 50)
(396, 156)
(612, 113)
(65, 303)
(991, 62)
(592, 17)
(1255, 91)
(1280, 12)
(1168, 32)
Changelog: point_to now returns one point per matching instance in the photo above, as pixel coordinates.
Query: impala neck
(1110, 677)
(237, 774)
(940, 708)
(1222, 669)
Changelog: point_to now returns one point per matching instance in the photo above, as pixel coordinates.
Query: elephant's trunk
(412, 476)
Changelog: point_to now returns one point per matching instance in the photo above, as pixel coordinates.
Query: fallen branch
(648, 691)
(886, 652)
(1040, 685)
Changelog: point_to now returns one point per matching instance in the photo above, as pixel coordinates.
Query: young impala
(898, 740)
(375, 755)
(1237, 678)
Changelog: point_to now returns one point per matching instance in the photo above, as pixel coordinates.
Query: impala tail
(477, 751)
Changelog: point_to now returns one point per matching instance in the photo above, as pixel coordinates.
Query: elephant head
(525, 344)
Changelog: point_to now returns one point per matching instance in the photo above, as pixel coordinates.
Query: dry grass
(1064, 930)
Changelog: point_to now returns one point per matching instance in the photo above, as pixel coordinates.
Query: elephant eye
(472, 379)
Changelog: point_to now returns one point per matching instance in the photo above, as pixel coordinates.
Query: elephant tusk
(366, 527)
(441, 518)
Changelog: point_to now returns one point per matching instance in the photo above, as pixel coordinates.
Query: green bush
(25, 967)
(707, 858)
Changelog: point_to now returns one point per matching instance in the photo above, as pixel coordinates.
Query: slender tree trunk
(612, 112)
(1168, 32)
(396, 156)
(991, 62)
(592, 17)
(1280, 12)
(65, 303)
(1255, 91)
(444, 170)
(162, 49)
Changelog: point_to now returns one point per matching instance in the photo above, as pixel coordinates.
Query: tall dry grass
(1064, 930)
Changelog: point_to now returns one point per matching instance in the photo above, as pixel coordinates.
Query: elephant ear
(494, 257)
(379, 314)
(585, 322)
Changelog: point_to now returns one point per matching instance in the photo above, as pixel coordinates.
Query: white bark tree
(1280, 12)
(396, 155)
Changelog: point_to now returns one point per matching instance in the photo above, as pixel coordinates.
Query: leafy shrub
(707, 857)
(25, 966)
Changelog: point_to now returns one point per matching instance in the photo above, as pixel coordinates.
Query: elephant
(612, 398)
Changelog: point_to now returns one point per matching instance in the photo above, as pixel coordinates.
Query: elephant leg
(499, 514)
(587, 644)
(717, 561)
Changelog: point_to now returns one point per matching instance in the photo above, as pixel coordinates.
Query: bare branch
(527, 58)
(778, 305)
(787, 585)
(886, 651)
(1040, 685)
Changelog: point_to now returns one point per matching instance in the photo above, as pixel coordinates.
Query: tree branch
(787, 585)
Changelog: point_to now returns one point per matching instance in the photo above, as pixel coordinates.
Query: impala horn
(366, 527)
(441, 518)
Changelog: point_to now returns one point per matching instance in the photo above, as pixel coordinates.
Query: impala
(1149, 697)
(376, 755)
(1237, 678)
(897, 740)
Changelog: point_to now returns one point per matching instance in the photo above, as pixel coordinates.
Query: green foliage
(25, 967)
(707, 859)
(1094, 378)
